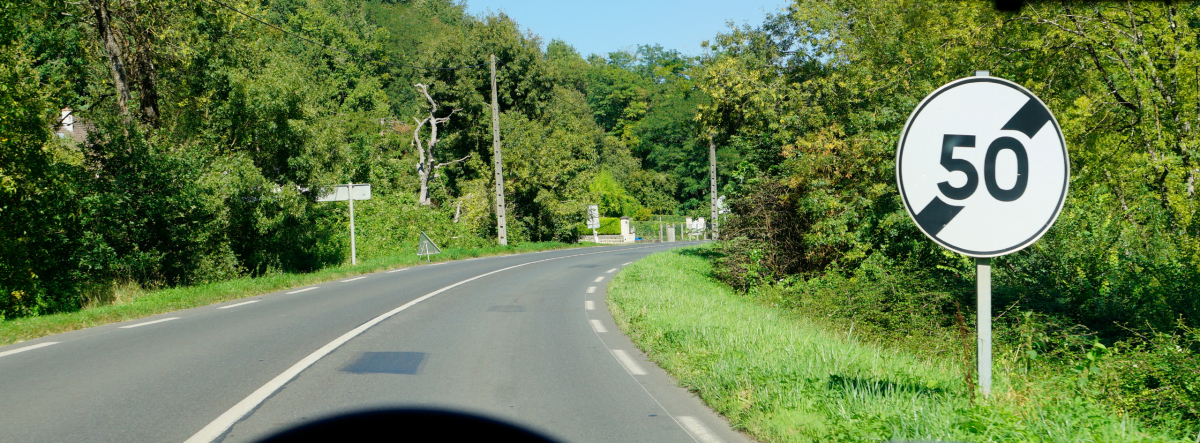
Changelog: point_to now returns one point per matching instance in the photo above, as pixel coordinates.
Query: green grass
(783, 378)
(133, 303)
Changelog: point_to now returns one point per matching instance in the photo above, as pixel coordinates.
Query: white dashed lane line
(397, 270)
(239, 304)
(610, 271)
(589, 305)
(697, 429)
(27, 348)
(591, 289)
(150, 322)
(626, 263)
(627, 361)
(599, 327)
(305, 289)
(352, 279)
(598, 279)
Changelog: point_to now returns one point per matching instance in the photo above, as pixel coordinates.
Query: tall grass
(783, 378)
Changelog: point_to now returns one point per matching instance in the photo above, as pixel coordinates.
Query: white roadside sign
(593, 220)
(983, 170)
(982, 167)
(341, 193)
(349, 193)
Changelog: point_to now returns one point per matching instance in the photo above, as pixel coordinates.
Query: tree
(427, 163)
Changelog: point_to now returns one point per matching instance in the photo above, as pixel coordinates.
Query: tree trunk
(112, 48)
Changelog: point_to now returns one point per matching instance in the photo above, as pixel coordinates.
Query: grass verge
(782, 378)
(138, 303)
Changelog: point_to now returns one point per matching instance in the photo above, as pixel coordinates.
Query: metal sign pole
(983, 279)
(353, 253)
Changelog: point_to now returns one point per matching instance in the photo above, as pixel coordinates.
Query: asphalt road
(524, 338)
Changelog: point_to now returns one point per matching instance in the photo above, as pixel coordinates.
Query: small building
(71, 127)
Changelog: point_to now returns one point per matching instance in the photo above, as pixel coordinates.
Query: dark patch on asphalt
(386, 363)
(507, 308)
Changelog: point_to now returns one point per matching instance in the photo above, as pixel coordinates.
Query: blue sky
(604, 26)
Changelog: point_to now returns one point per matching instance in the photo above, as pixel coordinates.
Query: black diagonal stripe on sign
(936, 215)
(1029, 119)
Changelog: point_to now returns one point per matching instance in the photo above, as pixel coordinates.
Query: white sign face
(593, 221)
(982, 167)
(341, 193)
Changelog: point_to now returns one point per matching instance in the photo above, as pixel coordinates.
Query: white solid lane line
(226, 420)
(591, 289)
(627, 361)
(28, 348)
(599, 327)
(397, 270)
(305, 289)
(239, 304)
(697, 429)
(352, 279)
(610, 271)
(589, 305)
(435, 264)
(626, 263)
(598, 279)
(150, 322)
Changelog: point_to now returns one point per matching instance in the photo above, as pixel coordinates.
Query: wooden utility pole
(501, 225)
(712, 181)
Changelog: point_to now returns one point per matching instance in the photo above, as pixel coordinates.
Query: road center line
(305, 289)
(698, 430)
(150, 322)
(591, 289)
(610, 271)
(589, 305)
(352, 279)
(598, 279)
(239, 304)
(226, 420)
(397, 270)
(28, 348)
(632, 366)
(599, 327)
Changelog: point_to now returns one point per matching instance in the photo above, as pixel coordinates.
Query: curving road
(523, 338)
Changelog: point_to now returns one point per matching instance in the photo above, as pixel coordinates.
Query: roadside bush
(608, 226)
(1155, 378)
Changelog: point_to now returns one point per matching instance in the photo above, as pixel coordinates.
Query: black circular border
(1062, 142)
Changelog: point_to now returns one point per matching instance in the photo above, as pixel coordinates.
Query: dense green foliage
(814, 101)
(211, 134)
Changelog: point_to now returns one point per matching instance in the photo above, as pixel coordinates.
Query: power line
(331, 48)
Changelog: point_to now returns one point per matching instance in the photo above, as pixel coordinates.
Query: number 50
(951, 141)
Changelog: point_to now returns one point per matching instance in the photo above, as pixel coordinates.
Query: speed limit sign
(982, 167)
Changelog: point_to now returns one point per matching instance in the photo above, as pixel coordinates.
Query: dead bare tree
(426, 163)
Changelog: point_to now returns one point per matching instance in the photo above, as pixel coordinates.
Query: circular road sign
(982, 167)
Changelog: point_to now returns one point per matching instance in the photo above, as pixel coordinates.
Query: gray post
(353, 253)
(983, 278)
(712, 182)
(501, 225)
(671, 233)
